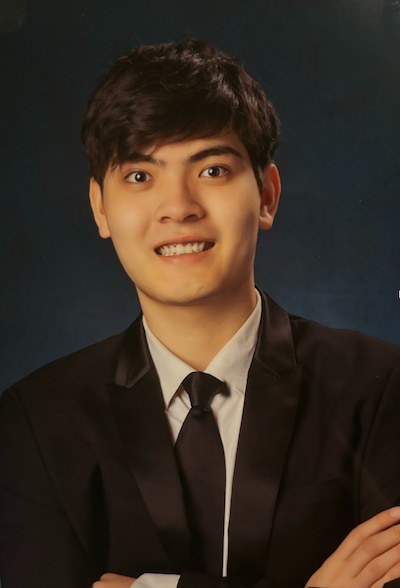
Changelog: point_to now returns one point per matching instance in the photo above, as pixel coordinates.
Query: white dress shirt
(231, 365)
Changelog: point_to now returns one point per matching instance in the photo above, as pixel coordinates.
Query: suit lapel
(138, 409)
(268, 418)
(270, 407)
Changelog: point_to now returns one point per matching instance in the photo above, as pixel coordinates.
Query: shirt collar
(231, 364)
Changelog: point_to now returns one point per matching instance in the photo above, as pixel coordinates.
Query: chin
(184, 296)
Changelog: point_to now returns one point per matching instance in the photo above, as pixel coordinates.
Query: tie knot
(202, 388)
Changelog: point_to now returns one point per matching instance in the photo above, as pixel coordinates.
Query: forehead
(191, 150)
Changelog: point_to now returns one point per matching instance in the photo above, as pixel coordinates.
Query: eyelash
(137, 172)
(225, 171)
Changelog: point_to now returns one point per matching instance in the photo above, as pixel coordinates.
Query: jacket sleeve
(379, 482)
(380, 472)
(38, 546)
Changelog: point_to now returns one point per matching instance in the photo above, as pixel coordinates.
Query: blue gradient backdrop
(331, 68)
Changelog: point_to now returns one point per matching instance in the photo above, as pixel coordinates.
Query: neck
(196, 333)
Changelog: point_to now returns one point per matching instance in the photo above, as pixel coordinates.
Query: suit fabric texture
(89, 482)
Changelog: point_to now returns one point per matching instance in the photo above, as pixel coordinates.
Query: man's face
(184, 218)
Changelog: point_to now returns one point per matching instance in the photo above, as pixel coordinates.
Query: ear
(270, 193)
(97, 204)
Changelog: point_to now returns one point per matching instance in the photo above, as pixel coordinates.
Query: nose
(179, 202)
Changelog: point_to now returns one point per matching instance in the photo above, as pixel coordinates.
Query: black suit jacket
(89, 483)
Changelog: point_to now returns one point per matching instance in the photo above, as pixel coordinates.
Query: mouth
(170, 249)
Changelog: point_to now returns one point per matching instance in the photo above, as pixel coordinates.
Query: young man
(116, 471)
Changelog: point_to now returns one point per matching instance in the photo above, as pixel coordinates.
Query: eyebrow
(199, 156)
(217, 150)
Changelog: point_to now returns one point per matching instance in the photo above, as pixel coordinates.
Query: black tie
(201, 463)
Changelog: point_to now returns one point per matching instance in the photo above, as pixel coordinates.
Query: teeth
(181, 249)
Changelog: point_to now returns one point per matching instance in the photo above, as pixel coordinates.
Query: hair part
(173, 92)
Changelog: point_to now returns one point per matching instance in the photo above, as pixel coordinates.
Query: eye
(214, 171)
(138, 177)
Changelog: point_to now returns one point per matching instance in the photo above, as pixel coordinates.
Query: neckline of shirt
(230, 365)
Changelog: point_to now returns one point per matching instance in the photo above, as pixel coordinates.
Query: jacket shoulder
(341, 348)
(81, 369)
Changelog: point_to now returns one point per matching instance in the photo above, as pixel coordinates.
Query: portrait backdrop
(331, 69)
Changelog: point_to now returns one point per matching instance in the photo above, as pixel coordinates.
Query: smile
(183, 248)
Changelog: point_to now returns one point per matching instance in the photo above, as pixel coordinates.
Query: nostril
(191, 217)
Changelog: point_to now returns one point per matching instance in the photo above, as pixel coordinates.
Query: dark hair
(172, 92)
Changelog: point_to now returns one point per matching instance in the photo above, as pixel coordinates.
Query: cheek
(126, 225)
(245, 210)
(244, 224)
(128, 231)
